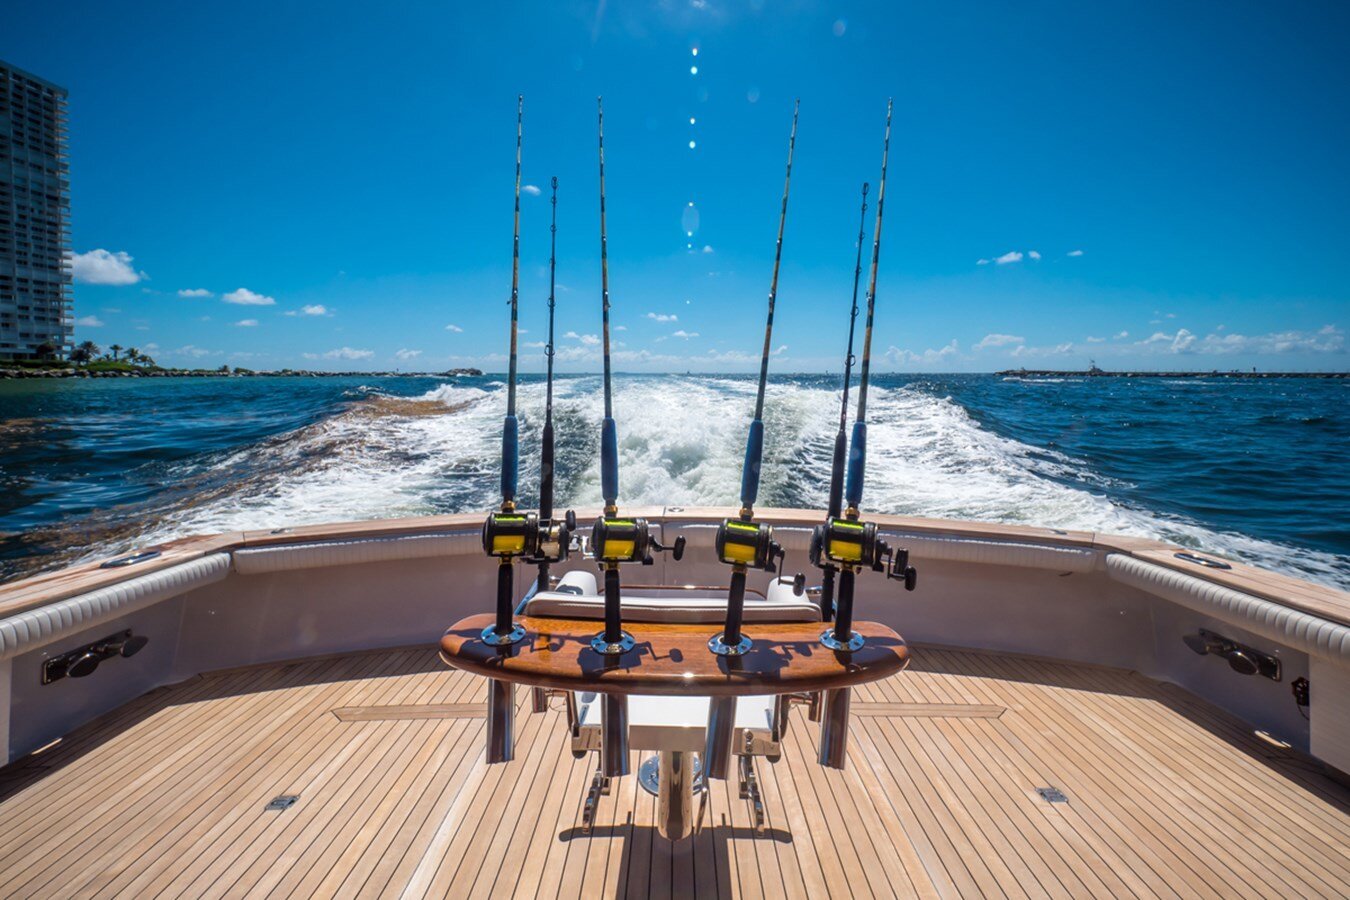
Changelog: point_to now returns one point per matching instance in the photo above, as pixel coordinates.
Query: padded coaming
(319, 555)
(46, 624)
(1298, 630)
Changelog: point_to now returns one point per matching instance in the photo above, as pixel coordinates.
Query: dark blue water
(1251, 469)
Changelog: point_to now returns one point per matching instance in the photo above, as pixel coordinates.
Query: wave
(681, 441)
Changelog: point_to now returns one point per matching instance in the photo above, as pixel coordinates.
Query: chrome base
(721, 648)
(855, 641)
(607, 648)
(514, 636)
(501, 722)
(649, 773)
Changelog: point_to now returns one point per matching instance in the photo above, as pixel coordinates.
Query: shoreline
(132, 372)
(1098, 373)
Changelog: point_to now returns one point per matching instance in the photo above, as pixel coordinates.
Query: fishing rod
(743, 543)
(846, 542)
(614, 540)
(836, 497)
(554, 537)
(508, 534)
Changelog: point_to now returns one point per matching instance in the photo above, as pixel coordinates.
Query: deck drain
(285, 801)
(1052, 795)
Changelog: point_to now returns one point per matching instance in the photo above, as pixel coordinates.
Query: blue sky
(1148, 184)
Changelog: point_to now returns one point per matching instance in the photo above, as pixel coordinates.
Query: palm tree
(116, 349)
(147, 360)
(46, 351)
(86, 351)
(133, 355)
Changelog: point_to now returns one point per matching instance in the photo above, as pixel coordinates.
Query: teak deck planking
(1168, 796)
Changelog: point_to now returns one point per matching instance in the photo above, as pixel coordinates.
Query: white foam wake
(681, 442)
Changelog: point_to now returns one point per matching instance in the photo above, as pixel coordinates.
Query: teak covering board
(674, 659)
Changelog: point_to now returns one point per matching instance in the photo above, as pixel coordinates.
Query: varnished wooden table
(674, 659)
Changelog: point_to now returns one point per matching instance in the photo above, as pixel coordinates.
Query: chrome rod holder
(538, 700)
(834, 727)
(677, 772)
(501, 721)
(614, 735)
(717, 744)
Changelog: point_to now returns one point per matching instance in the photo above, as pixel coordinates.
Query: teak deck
(785, 658)
(1166, 796)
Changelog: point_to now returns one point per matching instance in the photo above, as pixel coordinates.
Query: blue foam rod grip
(754, 456)
(609, 461)
(857, 461)
(510, 457)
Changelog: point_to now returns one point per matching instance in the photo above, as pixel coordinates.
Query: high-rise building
(35, 300)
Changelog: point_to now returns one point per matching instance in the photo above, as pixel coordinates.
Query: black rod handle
(735, 607)
(613, 612)
(827, 594)
(843, 613)
(505, 592)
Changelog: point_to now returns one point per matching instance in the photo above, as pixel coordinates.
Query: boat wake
(681, 442)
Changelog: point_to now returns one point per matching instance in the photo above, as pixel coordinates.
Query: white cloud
(537, 345)
(531, 189)
(406, 354)
(620, 327)
(245, 297)
(455, 328)
(1034, 254)
(1327, 339)
(1095, 340)
(195, 292)
(194, 352)
(928, 357)
(662, 317)
(588, 340)
(89, 322)
(310, 309)
(707, 248)
(102, 267)
(348, 353)
(1074, 253)
(981, 262)
(685, 334)
(246, 323)
(1120, 337)
(1011, 256)
(999, 340)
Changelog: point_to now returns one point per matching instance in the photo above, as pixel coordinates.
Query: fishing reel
(556, 540)
(855, 545)
(507, 535)
(749, 544)
(615, 540)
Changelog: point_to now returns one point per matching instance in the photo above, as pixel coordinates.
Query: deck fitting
(285, 801)
(1052, 795)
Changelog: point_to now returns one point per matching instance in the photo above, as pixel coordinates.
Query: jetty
(1094, 372)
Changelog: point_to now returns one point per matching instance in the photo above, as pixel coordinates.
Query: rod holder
(538, 700)
(834, 728)
(675, 794)
(501, 721)
(614, 736)
(721, 732)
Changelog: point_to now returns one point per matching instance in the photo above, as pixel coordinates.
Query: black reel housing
(508, 535)
(749, 544)
(615, 540)
(853, 544)
(554, 543)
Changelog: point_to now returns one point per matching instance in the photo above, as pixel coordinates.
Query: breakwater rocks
(1098, 373)
(136, 372)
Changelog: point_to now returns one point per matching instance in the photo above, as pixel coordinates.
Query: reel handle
(676, 549)
(901, 570)
(570, 518)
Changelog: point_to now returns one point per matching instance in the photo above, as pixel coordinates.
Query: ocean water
(1256, 470)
